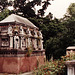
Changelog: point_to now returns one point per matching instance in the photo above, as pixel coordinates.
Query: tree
(53, 35)
(71, 9)
(26, 7)
(44, 7)
(57, 35)
(4, 14)
(69, 23)
(50, 16)
(54, 44)
(4, 4)
(23, 8)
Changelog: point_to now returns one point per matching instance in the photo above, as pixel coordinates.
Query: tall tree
(26, 7)
(44, 7)
(71, 9)
(3, 4)
(53, 34)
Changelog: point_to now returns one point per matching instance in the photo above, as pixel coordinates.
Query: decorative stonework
(18, 35)
(21, 43)
(70, 50)
(70, 67)
(71, 63)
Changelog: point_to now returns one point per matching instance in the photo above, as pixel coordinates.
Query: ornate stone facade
(18, 33)
(19, 39)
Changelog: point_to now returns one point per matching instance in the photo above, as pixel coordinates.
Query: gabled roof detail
(19, 19)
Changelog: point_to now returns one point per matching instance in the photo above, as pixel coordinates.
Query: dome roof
(19, 19)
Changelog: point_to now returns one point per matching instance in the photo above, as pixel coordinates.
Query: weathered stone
(18, 39)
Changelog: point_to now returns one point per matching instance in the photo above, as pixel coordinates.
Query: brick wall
(20, 64)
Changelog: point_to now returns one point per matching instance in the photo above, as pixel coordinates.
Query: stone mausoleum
(21, 45)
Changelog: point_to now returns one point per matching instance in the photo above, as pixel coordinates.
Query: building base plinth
(17, 65)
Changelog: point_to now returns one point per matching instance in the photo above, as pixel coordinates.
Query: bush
(51, 68)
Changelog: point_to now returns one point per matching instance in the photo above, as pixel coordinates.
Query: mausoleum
(20, 38)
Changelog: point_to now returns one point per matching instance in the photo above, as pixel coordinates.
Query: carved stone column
(35, 43)
(11, 41)
(70, 70)
(41, 44)
(10, 36)
(10, 30)
(21, 31)
(35, 33)
(40, 35)
(26, 42)
(21, 42)
(0, 41)
(70, 67)
(16, 42)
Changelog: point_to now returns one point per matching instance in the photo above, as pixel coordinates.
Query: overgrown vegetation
(51, 68)
(54, 67)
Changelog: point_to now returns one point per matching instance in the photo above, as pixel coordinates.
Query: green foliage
(27, 8)
(51, 68)
(53, 33)
(4, 14)
(29, 51)
(3, 4)
(69, 57)
(24, 8)
(44, 7)
(70, 25)
(71, 9)
(54, 67)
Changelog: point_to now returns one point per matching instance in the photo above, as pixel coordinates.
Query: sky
(59, 7)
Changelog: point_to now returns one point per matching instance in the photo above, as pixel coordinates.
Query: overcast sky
(59, 7)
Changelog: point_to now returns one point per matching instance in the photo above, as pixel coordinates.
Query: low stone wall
(20, 64)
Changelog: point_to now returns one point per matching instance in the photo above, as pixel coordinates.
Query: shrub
(51, 68)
